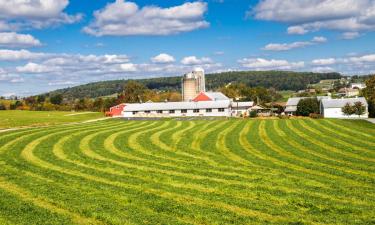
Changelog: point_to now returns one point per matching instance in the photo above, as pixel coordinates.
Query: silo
(189, 87)
(200, 80)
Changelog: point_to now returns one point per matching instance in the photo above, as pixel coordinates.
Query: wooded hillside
(280, 80)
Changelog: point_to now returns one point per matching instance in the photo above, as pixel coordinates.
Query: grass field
(298, 171)
(18, 118)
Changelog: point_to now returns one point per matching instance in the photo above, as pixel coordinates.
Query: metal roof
(294, 101)
(176, 105)
(341, 102)
(216, 96)
(242, 104)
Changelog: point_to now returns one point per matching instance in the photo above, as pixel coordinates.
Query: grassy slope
(190, 172)
(17, 118)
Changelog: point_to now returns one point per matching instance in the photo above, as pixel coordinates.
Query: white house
(178, 109)
(358, 85)
(332, 108)
(241, 108)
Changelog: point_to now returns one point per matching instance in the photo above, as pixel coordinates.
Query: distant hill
(280, 80)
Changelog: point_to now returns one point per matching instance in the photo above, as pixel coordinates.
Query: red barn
(116, 110)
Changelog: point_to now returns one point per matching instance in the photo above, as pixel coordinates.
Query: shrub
(2, 106)
(315, 116)
(283, 117)
(253, 114)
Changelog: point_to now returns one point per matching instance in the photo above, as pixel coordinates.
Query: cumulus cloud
(350, 35)
(128, 67)
(324, 62)
(323, 69)
(15, 55)
(294, 45)
(163, 58)
(260, 64)
(122, 18)
(312, 15)
(193, 60)
(12, 39)
(19, 14)
(34, 68)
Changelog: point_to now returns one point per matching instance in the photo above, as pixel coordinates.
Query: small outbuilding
(332, 108)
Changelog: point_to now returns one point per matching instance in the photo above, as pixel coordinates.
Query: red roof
(202, 97)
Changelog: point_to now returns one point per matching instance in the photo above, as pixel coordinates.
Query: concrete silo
(192, 84)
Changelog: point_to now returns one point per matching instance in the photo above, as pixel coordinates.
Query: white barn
(178, 109)
(332, 108)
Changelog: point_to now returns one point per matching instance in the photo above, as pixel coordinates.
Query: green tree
(56, 99)
(307, 106)
(348, 110)
(359, 109)
(369, 94)
(133, 92)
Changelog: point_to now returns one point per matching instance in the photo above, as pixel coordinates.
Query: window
(147, 111)
(135, 112)
(221, 109)
(195, 110)
(208, 110)
(171, 111)
(159, 111)
(183, 110)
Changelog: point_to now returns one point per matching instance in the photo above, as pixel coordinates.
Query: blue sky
(50, 44)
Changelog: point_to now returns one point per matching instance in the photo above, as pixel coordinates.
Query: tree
(369, 94)
(2, 106)
(133, 92)
(347, 109)
(359, 109)
(307, 106)
(56, 99)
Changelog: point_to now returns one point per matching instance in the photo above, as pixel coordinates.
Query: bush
(2, 106)
(307, 106)
(283, 117)
(253, 114)
(315, 116)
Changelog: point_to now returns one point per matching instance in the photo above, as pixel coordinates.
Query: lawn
(296, 171)
(18, 118)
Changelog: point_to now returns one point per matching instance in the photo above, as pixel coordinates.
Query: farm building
(358, 85)
(178, 109)
(349, 92)
(291, 105)
(332, 108)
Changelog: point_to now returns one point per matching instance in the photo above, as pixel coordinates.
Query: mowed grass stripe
(334, 142)
(28, 154)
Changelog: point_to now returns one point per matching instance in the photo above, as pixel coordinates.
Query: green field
(297, 171)
(18, 118)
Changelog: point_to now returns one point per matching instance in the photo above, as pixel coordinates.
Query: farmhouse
(332, 108)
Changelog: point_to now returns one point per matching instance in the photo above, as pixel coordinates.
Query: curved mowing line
(27, 154)
(43, 203)
(300, 147)
(203, 132)
(360, 134)
(314, 131)
(272, 146)
(155, 137)
(222, 148)
(345, 136)
(286, 154)
(320, 155)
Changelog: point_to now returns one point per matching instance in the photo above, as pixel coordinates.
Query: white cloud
(126, 18)
(297, 30)
(34, 68)
(163, 58)
(319, 39)
(12, 39)
(128, 67)
(193, 60)
(324, 62)
(323, 69)
(350, 35)
(294, 45)
(14, 55)
(19, 14)
(260, 64)
(312, 15)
